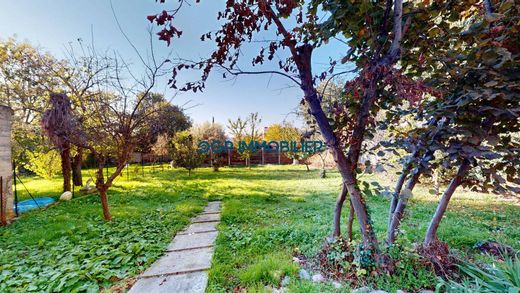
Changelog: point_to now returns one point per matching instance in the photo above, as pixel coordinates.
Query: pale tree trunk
(66, 167)
(431, 233)
(398, 213)
(398, 203)
(395, 196)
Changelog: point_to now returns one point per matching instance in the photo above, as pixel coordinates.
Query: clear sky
(54, 24)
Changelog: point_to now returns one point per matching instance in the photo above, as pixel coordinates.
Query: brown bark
(103, 186)
(343, 164)
(104, 203)
(66, 167)
(77, 162)
(336, 229)
(350, 222)
(431, 232)
(397, 191)
(393, 224)
(398, 213)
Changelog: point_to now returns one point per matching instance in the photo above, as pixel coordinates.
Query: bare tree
(109, 121)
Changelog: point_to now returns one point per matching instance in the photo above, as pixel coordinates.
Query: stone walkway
(184, 266)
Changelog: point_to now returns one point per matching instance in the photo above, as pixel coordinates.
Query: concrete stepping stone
(191, 241)
(189, 283)
(181, 261)
(184, 266)
(207, 218)
(200, 228)
(212, 208)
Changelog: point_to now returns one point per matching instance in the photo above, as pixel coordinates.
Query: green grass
(268, 213)
(68, 247)
(286, 209)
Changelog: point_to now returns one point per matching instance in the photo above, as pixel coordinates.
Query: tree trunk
(307, 165)
(77, 161)
(397, 191)
(336, 232)
(359, 206)
(66, 167)
(104, 203)
(398, 213)
(392, 227)
(344, 166)
(431, 233)
(350, 221)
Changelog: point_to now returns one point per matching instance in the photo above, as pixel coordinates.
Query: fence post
(228, 158)
(142, 164)
(3, 217)
(15, 190)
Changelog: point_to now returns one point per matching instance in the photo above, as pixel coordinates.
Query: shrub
(184, 152)
(44, 164)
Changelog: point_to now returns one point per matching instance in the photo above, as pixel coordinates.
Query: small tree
(185, 153)
(251, 134)
(110, 123)
(59, 124)
(164, 119)
(289, 133)
(238, 131)
(161, 147)
(45, 164)
(25, 83)
(210, 132)
(245, 132)
(481, 80)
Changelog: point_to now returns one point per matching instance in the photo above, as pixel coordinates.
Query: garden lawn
(269, 213)
(68, 247)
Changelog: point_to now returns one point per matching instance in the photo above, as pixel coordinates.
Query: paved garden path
(184, 266)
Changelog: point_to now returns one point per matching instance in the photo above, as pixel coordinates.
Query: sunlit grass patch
(267, 213)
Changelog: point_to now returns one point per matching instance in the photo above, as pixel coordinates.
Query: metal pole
(72, 177)
(142, 164)
(2, 211)
(278, 155)
(15, 190)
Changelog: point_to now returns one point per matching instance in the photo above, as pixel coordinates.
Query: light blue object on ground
(39, 202)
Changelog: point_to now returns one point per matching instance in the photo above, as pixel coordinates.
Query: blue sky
(54, 24)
